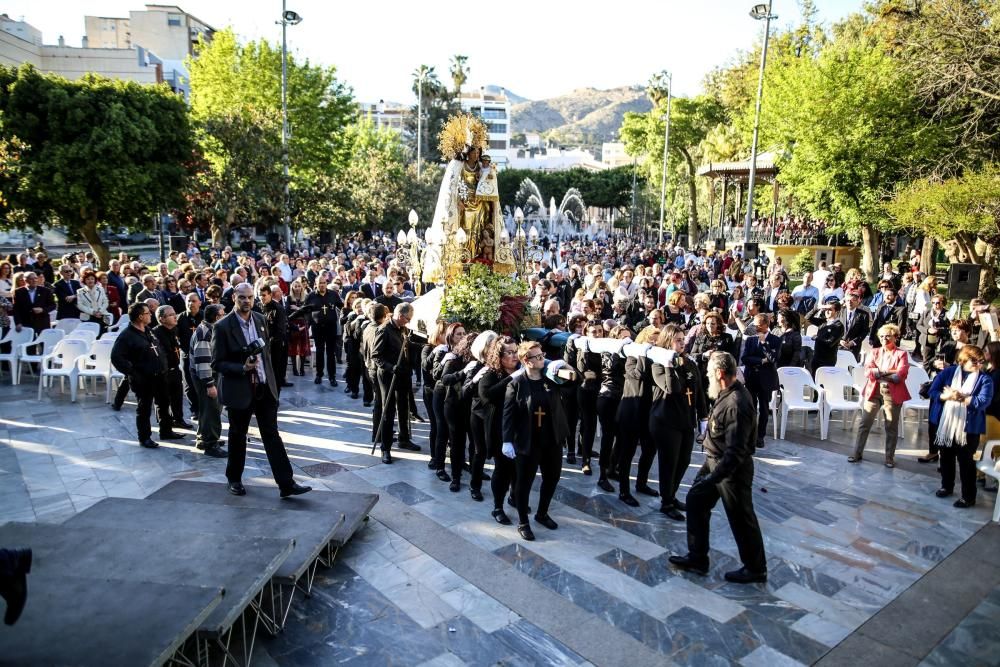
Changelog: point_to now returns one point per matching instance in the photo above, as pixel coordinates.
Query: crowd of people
(661, 347)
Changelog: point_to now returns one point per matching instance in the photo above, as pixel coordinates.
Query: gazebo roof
(741, 169)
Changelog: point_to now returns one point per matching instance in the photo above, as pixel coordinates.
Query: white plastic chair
(88, 326)
(809, 341)
(915, 377)
(774, 405)
(812, 330)
(85, 335)
(67, 324)
(836, 383)
(62, 363)
(794, 384)
(96, 364)
(45, 341)
(991, 468)
(16, 339)
(846, 360)
(117, 327)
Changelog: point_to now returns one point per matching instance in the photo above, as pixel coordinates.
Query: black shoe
(200, 445)
(571, 459)
(546, 521)
(745, 576)
(605, 485)
(928, 458)
(486, 477)
(525, 532)
(455, 485)
(237, 489)
(409, 446)
(689, 564)
(760, 443)
(318, 380)
(295, 489)
(586, 469)
(170, 435)
(476, 494)
(628, 499)
(15, 589)
(386, 456)
(672, 512)
(443, 475)
(286, 384)
(367, 404)
(500, 517)
(347, 390)
(183, 424)
(943, 493)
(334, 383)
(116, 407)
(417, 418)
(854, 459)
(149, 444)
(433, 465)
(681, 506)
(963, 503)
(647, 491)
(216, 452)
(355, 395)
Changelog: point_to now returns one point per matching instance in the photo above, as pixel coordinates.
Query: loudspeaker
(720, 245)
(179, 242)
(273, 239)
(963, 281)
(325, 237)
(750, 250)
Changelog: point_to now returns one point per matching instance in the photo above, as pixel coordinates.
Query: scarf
(951, 427)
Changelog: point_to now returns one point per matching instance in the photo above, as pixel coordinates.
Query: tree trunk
(927, 254)
(693, 194)
(93, 238)
(870, 240)
(220, 232)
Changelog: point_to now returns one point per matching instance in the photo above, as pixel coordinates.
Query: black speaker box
(751, 250)
(179, 242)
(963, 281)
(720, 245)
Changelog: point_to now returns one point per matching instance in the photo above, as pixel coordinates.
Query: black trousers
(265, 408)
(368, 385)
(931, 437)
(175, 399)
(568, 394)
(607, 412)
(440, 446)
(376, 403)
(477, 450)
(354, 367)
(458, 431)
(674, 450)
(503, 480)
(762, 399)
(549, 460)
(279, 362)
(121, 393)
(326, 350)
(393, 405)
(147, 392)
(736, 493)
(338, 348)
(966, 466)
(427, 393)
(190, 390)
(587, 406)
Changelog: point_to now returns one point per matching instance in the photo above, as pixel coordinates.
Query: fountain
(569, 218)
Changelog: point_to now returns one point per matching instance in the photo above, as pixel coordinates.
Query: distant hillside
(586, 116)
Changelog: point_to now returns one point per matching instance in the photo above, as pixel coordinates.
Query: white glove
(441, 348)
(450, 356)
(508, 450)
(482, 371)
(552, 368)
(469, 367)
(702, 426)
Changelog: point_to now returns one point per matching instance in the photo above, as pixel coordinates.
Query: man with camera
(247, 388)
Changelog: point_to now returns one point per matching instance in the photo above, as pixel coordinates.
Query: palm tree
(459, 72)
(656, 89)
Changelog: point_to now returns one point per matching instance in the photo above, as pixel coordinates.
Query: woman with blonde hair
(298, 327)
(884, 391)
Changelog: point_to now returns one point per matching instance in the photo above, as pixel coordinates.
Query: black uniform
(728, 474)
(277, 324)
(352, 350)
(609, 396)
(389, 349)
(677, 406)
(170, 344)
(325, 312)
(137, 355)
(186, 325)
(491, 390)
(633, 424)
(827, 341)
(586, 396)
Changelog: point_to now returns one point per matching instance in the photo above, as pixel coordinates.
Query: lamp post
(287, 18)
(758, 13)
(420, 111)
(524, 247)
(666, 150)
(410, 254)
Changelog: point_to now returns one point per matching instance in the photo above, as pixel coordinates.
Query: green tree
(459, 72)
(94, 153)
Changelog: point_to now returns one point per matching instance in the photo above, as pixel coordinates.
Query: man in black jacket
(247, 389)
(727, 475)
(857, 324)
(187, 323)
(389, 353)
(277, 324)
(324, 306)
(65, 290)
(889, 312)
(166, 334)
(139, 357)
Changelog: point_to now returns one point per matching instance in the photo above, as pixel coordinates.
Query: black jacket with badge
(517, 413)
(732, 431)
(138, 355)
(678, 399)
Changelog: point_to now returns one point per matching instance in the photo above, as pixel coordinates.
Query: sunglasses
(532, 357)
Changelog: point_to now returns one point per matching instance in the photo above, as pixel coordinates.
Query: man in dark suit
(771, 295)
(390, 345)
(831, 332)
(148, 290)
(370, 287)
(759, 355)
(65, 290)
(32, 304)
(857, 324)
(889, 312)
(277, 324)
(247, 388)
(325, 306)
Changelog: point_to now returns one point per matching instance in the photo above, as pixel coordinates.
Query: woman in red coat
(885, 390)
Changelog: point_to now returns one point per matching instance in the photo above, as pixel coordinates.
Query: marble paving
(842, 542)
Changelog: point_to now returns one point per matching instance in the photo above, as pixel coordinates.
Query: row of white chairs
(76, 360)
(27, 349)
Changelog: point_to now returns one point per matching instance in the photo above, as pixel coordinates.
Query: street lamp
(420, 106)
(524, 247)
(758, 13)
(288, 18)
(666, 150)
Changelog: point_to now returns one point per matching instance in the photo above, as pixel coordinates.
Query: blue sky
(537, 49)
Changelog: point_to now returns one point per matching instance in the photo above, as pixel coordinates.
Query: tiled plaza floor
(842, 542)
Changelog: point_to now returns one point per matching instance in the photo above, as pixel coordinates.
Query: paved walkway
(433, 580)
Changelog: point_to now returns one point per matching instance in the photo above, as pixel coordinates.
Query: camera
(252, 349)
